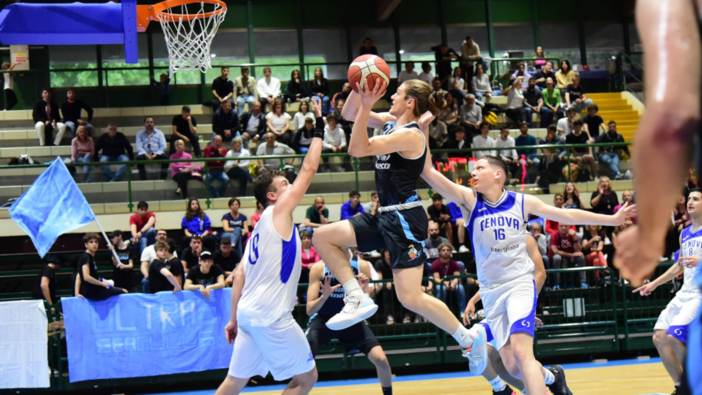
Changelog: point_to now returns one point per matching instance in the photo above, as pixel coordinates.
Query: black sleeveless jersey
(396, 176)
(335, 303)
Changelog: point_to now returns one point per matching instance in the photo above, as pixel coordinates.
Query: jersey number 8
(499, 234)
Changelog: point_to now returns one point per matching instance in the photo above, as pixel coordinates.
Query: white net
(188, 40)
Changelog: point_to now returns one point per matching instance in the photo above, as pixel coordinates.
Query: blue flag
(52, 206)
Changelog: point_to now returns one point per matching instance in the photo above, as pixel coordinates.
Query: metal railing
(629, 71)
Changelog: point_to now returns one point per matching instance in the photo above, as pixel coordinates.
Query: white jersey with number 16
(272, 267)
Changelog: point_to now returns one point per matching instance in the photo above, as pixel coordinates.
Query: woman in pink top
(182, 172)
(83, 150)
(309, 256)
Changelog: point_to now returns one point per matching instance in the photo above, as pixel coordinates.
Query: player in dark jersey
(401, 223)
(326, 298)
(667, 133)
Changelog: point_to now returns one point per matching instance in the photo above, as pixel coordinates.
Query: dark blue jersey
(335, 303)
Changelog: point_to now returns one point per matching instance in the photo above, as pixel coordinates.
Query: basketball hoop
(188, 35)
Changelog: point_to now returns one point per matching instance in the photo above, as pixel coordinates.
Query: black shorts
(400, 232)
(355, 339)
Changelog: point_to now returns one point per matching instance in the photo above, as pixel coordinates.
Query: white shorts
(281, 349)
(677, 316)
(510, 308)
(488, 332)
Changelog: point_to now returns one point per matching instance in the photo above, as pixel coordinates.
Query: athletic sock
(462, 336)
(353, 289)
(387, 390)
(548, 376)
(497, 384)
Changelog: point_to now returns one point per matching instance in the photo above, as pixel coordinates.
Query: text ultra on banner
(137, 335)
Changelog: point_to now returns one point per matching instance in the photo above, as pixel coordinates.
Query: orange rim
(154, 12)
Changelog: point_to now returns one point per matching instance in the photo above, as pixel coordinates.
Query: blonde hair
(425, 99)
(85, 133)
(180, 141)
(609, 185)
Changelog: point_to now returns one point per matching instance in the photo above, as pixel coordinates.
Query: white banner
(24, 361)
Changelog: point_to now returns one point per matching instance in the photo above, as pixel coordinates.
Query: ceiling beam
(385, 7)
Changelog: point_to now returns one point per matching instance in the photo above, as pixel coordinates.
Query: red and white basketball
(366, 69)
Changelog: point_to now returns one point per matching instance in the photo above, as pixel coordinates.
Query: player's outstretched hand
(370, 96)
(625, 213)
(646, 289)
(634, 259)
(230, 331)
(689, 261)
(468, 313)
(327, 289)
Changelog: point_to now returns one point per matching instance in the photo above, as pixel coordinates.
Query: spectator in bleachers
(205, 277)
(334, 139)
(575, 95)
(344, 94)
(149, 254)
(216, 168)
(438, 212)
(164, 87)
(115, 148)
(604, 199)
(552, 226)
(92, 286)
(225, 122)
(510, 156)
(317, 215)
(408, 73)
(445, 266)
(443, 56)
(567, 124)
(278, 121)
(191, 254)
(470, 116)
(72, 115)
(426, 74)
(564, 76)
(245, 90)
(438, 134)
(368, 48)
(540, 61)
(165, 272)
(123, 273)
(458, 142)
(151, 145)
(345, 124)
(593, 123)
(298, 121)
(524, 140)
(552, 138)
(373, 204)
(627, 197)
(308, 254)
(434, 240)
(196, 222)
(457, 85)
(353, 207)
(222, 89)
(319, 89)
(541, 242)
(184, 127)
(481, 84)
(83, 150)
(238, 169)
(295, 89)
(47, 119)
(182, 172)
(303, 137)
(593, 243)
(483, 141)
(449, 114)
(436, 85)
(552, 99)
(583, 155)
(515, 102)
(226, 258)
(610, 155)
(270, 148)
(9, 86)
(458, 225)
(521, 72)
(534, 104)
(566, 252)
(268, 88)
(253, 125)
(571, 197)
(142, 226)
(45, 282)
(544, 74)
(470, 50)
(235, 225)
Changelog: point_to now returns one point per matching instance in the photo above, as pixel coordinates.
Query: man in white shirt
(148, 256)
(565, 125)
(483, 141)
(334, 140)
(408, 73)
(239, 169)
(426, 75)
(509, 156)
(268, 88)
(470, 115)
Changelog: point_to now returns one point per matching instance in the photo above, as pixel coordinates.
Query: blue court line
(418, 377)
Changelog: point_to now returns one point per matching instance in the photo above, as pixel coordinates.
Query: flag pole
(114, 253)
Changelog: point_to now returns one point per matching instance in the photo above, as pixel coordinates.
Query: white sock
(548, 376)
(497, 384)
(676, 384)
(463, 337)
(352, 288)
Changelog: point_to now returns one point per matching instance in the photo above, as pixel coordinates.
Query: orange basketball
(366, 69)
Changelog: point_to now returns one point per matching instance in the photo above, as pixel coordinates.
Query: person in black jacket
(459, 142)
(319, 87)
(253, 124)
(303, 137)
(71, 111)
(115, 148)
(47, 119)
(225, 122)
(295, 89)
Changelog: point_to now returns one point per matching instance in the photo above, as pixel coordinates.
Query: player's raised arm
(353, 104)
(533, 205)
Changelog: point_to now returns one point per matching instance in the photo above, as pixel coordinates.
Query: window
(457, 34)
(514, 38)
(416, 42)
(383, 39)
(276, 47)
(113, 57)
(228, 48)
(560, 41)
(73, 57)
(325, 46)
(603, 40)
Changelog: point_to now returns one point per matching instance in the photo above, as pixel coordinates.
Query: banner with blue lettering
(136, 335)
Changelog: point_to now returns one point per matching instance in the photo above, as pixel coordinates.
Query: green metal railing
(627, 67)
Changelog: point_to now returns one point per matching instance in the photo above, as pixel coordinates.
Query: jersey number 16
(499, 234)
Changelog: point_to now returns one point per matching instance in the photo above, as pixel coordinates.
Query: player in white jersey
(505, 272)
(266, 337)
(671, 330)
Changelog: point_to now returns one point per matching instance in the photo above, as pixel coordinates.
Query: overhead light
(214, 55)
(402, 51)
